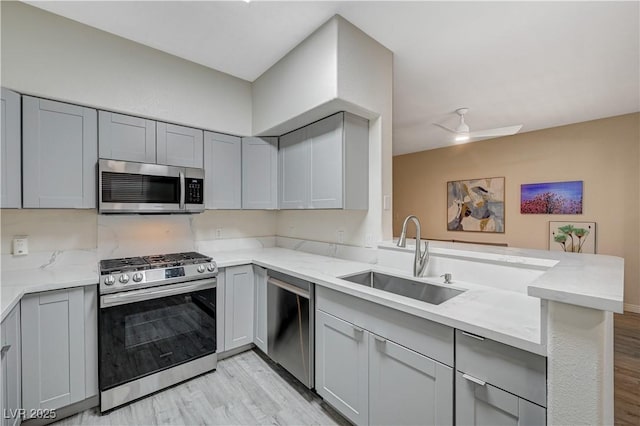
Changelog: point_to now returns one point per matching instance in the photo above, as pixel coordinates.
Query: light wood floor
(627, 369)
(245, 390)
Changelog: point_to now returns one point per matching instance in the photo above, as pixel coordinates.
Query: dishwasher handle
(289, 287)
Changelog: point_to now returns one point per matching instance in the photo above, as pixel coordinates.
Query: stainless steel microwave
(128, 187)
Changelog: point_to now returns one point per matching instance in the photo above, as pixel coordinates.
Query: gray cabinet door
(479, 403)
(260, 319)
(260, 173)
(179, 146)
(10, 136)
(293, 176)
(238, 305)
(326, 163)
(53, 349)
(127, 138)
(407, 388)
(223, 171)
(11, 369)
(342, 366)
(60, 152)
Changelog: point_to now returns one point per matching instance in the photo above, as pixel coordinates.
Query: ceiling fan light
(462, 138)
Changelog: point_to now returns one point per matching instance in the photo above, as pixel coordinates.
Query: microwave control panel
(194, 191)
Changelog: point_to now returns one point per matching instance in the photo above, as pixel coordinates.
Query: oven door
(143, 332)
(127, 187)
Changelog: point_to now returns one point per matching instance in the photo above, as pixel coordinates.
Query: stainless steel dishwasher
(290, 325)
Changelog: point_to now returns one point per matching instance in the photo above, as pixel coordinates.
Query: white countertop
(506, 316)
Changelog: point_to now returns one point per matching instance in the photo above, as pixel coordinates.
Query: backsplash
(50, 229)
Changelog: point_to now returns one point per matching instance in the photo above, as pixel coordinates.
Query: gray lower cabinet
(260, 173)
(60, 152)
(260, 309)
(126, 138)
(325, 165)
(10, 137)
(10, 390)
(342, 366)
(59, 347)
(407, 388)
(479, 403)
(223, 171)
(238, 306)
(179, 145)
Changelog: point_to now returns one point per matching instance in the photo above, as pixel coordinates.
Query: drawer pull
(472, 335)
(474, 380)
(5, 349)
(380, 339)
(358, 329)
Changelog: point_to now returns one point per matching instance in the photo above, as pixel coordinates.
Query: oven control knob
(124, 278)
(201, 268)
(137, 277)
(109, 280)
(211, 267)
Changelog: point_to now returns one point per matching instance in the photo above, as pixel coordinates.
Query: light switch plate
(386, 202)
(20, 246)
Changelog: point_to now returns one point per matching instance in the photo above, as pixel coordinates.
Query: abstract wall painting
(572, 237)
(476, 205)
(551, 198)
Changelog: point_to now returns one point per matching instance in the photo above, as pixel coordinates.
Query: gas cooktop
(129, 273)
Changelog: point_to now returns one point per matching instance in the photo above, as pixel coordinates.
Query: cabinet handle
(5, 349)
(358, 329)
(474, 380)
(472, 335)
(380, 339)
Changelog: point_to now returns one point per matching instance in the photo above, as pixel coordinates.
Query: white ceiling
(541, 64)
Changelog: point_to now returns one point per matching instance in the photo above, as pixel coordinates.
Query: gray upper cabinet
(294, 174)
(60, 152)
(260, 173)
(53, 340)
(10, 389)
(402, 378)
(10, 155)
(223, 171)
(239, 306)
(260, 309)
(479, 403)
(127, 138)
(325, 165)
(179, 146)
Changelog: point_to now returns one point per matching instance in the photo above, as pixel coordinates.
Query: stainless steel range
(157, 323)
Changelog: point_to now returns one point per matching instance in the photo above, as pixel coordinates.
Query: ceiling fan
(463, 134)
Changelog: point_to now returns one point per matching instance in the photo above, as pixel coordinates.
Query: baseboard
(628, 307)
(235, 351)
(64, 412)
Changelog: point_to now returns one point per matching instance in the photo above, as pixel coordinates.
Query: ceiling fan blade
(445, 128)
(500, 131)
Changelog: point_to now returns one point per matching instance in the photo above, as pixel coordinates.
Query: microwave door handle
(182, 190)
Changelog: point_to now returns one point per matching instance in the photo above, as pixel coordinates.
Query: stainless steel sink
(418, 290)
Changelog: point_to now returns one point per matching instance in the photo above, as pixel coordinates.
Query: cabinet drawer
(514, 370)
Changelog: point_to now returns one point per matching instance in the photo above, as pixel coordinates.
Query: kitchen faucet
(420, 260)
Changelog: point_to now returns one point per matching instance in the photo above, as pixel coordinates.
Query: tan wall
(605, 154)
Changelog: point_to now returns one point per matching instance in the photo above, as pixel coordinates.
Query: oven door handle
(123, 298)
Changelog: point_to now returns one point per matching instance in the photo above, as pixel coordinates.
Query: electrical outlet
(341, 237)
(20, 246)
(386, 202)
(368, 240)
(219, 233)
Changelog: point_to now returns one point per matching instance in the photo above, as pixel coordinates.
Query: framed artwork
(572, 237)
(551, 198)
(476, 205)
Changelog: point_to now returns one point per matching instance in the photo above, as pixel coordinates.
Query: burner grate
(151, 262)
